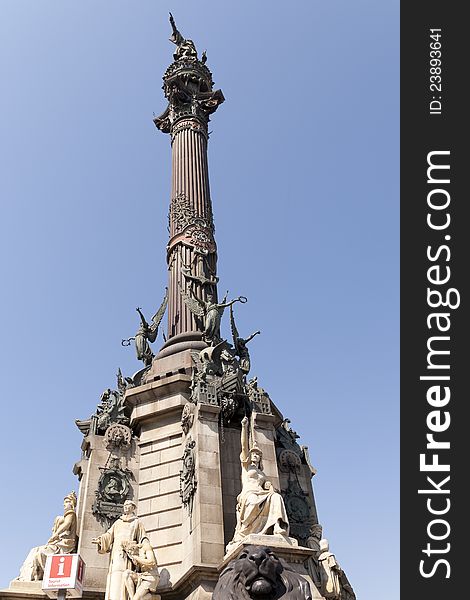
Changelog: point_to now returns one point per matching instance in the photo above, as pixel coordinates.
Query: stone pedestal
(23, 589)
(31, 590)
(97, 455)
(180, 502)
(285, 548)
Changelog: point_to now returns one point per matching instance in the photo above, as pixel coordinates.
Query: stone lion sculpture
(257, 573)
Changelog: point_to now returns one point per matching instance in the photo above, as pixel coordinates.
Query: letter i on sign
(60, 570)
(61, 566)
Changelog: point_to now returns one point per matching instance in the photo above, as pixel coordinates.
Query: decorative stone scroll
(197, 235)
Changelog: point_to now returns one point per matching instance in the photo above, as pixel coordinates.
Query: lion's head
(257, 574)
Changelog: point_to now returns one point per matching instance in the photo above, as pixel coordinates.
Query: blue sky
(304, 178)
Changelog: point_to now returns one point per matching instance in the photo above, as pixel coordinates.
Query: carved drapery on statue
(260, 508)
(328, 576)
(128, 528)
(62, 541)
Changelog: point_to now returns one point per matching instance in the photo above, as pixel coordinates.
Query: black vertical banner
(435, 309)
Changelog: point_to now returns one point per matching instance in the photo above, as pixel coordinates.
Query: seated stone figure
(141, 581)
(62, 541)
(260, 509)
(257, 573)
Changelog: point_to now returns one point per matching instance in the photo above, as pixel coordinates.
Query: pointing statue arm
(176, 38)
(142, 318)
(244, 441)
(224, 304)
(249, 338)
(105, 541)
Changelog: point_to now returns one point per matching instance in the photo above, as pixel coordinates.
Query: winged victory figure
(240, 345)
(147, 333)
(210, 312)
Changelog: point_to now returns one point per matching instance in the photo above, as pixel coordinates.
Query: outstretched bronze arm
(241, 299)
(176, 38)
(142, 318)
(250, 337)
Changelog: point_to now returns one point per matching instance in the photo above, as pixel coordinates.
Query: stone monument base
(31, 590)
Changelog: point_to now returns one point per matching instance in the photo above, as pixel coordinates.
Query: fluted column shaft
(191, 247)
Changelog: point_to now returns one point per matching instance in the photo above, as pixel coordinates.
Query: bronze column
(191, 251)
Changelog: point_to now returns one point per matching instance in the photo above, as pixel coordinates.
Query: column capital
(188, 87)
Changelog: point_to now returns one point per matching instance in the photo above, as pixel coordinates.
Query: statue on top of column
(184, 48)
(187, 85)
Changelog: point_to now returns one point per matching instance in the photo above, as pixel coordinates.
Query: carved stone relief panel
(188, 482)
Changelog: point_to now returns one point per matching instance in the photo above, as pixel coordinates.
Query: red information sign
(64, 572)
(61, 565)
